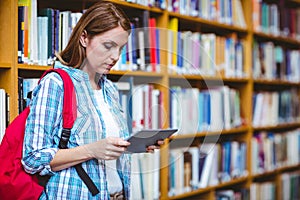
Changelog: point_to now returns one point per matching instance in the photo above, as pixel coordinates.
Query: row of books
(193, 110)
(147, 112)
(25, 88)
(290, 183)
(211, 54)
(274, 150)
(142, 52)
(162, 4)
(238, 194)
(208, 164)
(263, 191)
(276, 19)
(223, 11)
(42, 32)
(145, 176)
(4, 112)
(273, 108)
(272, 62)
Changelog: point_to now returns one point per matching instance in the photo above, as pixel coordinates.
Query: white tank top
(113, 179)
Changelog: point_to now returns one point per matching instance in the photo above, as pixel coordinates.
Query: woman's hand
(109, 148)
(150, 149)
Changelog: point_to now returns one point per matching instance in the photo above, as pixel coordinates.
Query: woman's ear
(84, 38)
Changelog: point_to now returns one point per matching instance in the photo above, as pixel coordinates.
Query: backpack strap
(69, 116)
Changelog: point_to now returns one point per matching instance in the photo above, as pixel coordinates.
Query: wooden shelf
(208, 78)
(242, 129)
(208, 23)
(135, 73)
(283, 126)
(275, 82)
(211, 188)
(5, 65)
(274, 172)
(28, 67)
(137, 6)
(279, 39)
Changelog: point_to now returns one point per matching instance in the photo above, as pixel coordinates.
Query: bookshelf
(245, 83)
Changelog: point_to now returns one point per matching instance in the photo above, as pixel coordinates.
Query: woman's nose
(115, 55)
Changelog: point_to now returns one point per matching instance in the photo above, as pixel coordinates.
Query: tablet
(144, 138)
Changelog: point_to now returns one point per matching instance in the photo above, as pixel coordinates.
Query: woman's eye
(108, 46)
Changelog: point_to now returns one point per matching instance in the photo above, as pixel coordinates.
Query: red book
(153, 46)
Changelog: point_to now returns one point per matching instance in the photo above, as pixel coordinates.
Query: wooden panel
(7, 31)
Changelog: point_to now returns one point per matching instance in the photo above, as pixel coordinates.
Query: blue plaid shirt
(44, 127)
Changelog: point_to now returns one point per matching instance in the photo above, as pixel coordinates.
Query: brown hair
(99, 18)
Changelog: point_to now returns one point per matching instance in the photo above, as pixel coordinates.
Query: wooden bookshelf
(246, 85)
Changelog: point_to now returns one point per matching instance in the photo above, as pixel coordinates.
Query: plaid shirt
(43, 131)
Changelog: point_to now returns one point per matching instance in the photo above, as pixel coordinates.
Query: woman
(96, 138)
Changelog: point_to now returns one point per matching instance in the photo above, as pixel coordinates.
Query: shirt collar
(78, 74)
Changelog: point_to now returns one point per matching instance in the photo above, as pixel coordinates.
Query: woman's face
(103, 51)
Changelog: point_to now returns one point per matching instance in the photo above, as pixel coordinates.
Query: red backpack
(15, 183)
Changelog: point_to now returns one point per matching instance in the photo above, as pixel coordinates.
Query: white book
(42, 40)
(66, 28)
(141, 60)
(180, 172)
(147, 106)
(216, 110)
(147, 174)
(174, 105)
(206, 148)
(195, 167)
(138, 108)
(193, 106)
(156, 174)
(213, 179)
(235, 171)
(240, 15)
(33, 38)
(188, 55)
(255, 156)
(226, 106)
(135, 186)
(286, 186)
(129, 51)
(257, 109)
(155, 109)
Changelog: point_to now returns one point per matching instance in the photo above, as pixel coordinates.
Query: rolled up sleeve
(43, 126)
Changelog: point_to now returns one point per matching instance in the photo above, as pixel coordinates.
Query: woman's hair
(99, 18)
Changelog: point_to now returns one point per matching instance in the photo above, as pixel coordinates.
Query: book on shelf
(230, 194)
(147, 112)
(26, 86)
(145, 175)
(262, 190)
(227, 11)
(208, 164)
(142, 52)
(193, 110)
(273, 108)
(290, 183)
(172, 43)
(124, 87)
(276, 18)
(271, 151)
